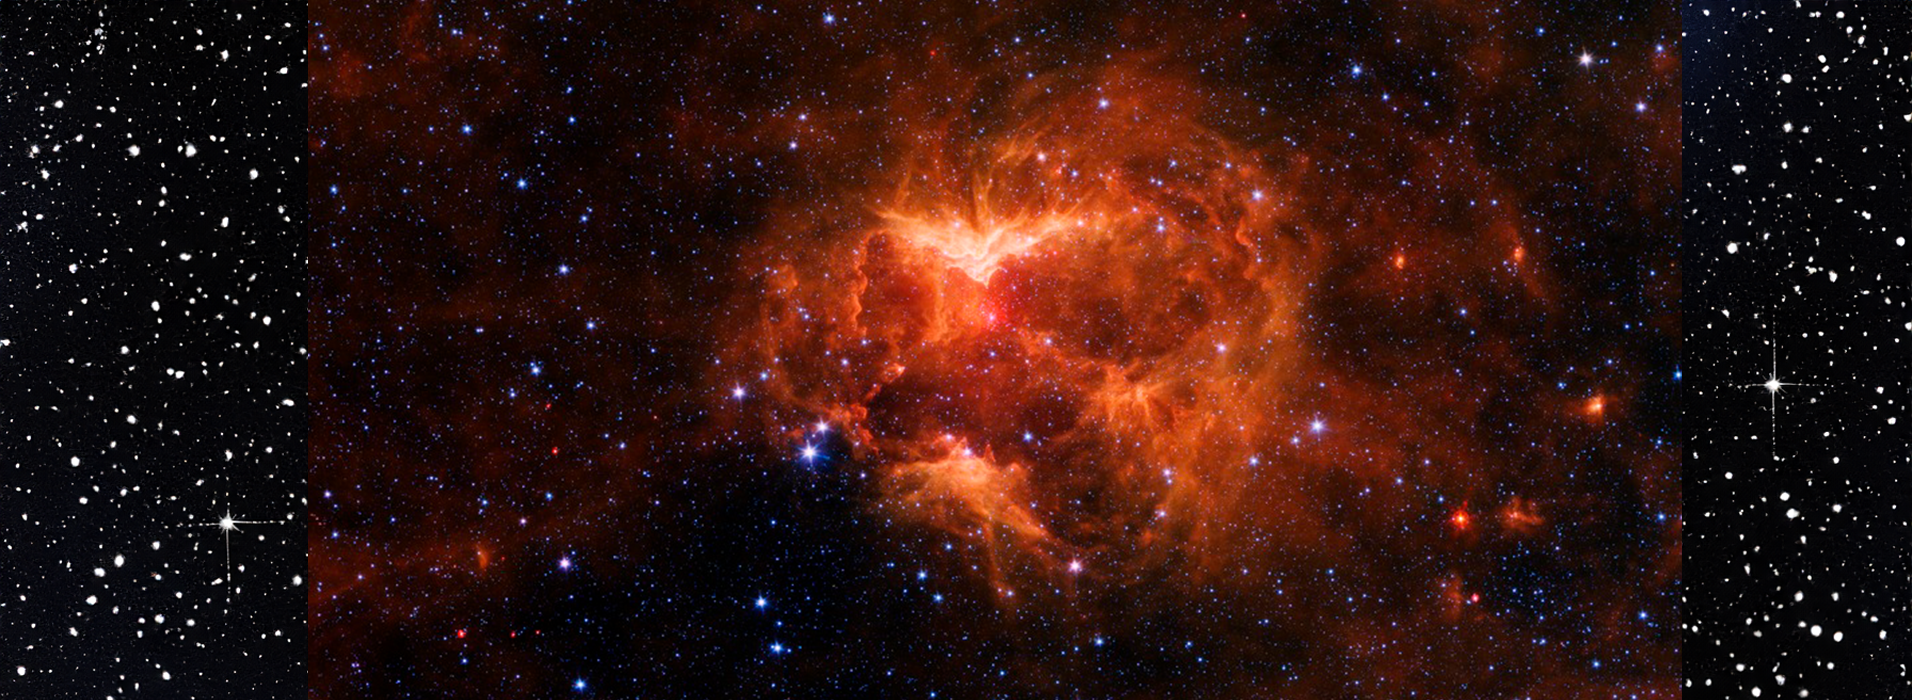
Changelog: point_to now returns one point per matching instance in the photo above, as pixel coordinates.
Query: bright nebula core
(1045, 351)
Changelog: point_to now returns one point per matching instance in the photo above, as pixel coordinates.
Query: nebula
(1025, 350)
(1128, 314)
(1107, 292)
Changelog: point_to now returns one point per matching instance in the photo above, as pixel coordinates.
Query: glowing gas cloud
(1164, 337)
(1014, 348)
(1106, 294)
(1099, 328)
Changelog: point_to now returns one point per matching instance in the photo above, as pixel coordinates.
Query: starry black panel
(1798, 179)
(1020, 349)
(152, 335)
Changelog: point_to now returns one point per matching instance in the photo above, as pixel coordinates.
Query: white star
(1772, 385)
(227, 525)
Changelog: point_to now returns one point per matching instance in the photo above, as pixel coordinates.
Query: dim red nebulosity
(1046, 350)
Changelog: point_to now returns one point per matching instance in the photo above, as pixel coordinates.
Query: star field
(152, 351)
(1799, 341)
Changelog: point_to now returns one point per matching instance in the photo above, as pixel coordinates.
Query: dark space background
(1001, 350)
(128, 430)
(1800, 544)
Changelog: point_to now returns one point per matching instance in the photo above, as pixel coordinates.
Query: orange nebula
(1130, 316)
(972, 494)
(1119, 278)
(1184, 332)
(1518, 516)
